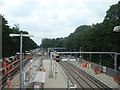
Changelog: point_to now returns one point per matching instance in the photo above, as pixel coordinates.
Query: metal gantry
(114, 53)
(56, 48)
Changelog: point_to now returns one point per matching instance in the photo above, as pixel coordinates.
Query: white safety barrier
(67, 59)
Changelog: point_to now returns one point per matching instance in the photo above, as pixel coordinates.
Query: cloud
(53, 18)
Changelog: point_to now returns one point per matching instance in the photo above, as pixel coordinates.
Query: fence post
(115, 61)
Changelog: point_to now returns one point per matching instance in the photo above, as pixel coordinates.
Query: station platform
(15, 83)
(59, 79)
(107, 80)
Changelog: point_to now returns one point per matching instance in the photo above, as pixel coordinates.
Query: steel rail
(14, 72)
(92, 83)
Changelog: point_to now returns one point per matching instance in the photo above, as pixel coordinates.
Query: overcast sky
(53, 18)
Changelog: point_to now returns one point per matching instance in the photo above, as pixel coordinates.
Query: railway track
(82, 79)
(13, 72)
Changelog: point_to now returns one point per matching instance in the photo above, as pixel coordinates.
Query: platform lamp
(21, 35)
(116, 29)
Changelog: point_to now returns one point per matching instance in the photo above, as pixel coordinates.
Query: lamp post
(51, 66)
(21, 35)
(116, 29)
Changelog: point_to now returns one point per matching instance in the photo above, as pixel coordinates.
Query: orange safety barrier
(8, 83)
(97, 71)
(84, 64)
(44, 70)
(41, 68)
(8, 67)
(13, 66)
(5, 71)
(4, 64)
(117, 78)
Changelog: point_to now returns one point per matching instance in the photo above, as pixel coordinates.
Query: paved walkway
(109, 81)
(59, 79)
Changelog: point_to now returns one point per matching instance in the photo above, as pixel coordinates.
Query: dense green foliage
(96, 37)
(11, 45)
(46, 43)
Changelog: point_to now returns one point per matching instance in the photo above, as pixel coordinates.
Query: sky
(53, 18)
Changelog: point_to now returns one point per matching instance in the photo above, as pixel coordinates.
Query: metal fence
(109, 71)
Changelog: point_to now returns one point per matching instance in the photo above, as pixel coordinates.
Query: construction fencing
(106, 70)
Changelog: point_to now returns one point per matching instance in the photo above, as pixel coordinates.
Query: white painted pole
(115, 61)
(21, 73)
(51, 71)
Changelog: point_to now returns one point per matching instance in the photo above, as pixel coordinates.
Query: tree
(97, 37)
(11, 45)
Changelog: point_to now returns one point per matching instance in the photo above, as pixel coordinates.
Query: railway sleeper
(89, 76)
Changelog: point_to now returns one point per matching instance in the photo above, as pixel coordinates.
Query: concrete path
(59, 79)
